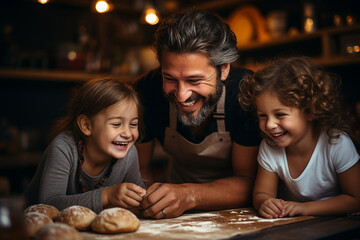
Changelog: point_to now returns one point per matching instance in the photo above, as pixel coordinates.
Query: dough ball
(76, 216)
(48, 210)
(115, 220)
(57, 231)
(34, 221)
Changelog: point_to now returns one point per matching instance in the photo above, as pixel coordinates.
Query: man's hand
(166, 200)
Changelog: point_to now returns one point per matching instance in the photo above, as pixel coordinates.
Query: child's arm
(264, 194)
(125, 195)
(347, 202)
(58, 181)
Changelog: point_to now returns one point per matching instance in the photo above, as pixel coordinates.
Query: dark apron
(202, 162)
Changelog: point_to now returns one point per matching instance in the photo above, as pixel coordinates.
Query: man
(191, 107)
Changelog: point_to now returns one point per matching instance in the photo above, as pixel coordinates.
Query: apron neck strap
(219, 114)
(173, 118)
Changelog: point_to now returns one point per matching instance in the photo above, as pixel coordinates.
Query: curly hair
(297, 82)
(196, 30)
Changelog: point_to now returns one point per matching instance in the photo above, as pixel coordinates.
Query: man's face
(192, 84)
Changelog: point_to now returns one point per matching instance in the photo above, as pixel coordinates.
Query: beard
(206, 110)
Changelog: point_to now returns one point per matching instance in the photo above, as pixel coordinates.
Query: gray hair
(197, 31)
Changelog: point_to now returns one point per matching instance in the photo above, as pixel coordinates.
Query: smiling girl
(92, 161)
(308, 164)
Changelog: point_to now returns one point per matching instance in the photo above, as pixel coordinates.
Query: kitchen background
(48, 49)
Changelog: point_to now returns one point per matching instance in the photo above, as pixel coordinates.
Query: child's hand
(294, 208)
(125, 195)
(272, 208)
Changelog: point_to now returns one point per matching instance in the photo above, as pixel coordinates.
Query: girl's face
(285, 125)
(114, 131)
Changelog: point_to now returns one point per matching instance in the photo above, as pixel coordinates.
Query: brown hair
(299, 83)
(94, 96)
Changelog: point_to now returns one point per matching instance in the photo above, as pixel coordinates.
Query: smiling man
(191, 107)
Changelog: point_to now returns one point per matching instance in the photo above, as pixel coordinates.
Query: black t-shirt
(242, 125)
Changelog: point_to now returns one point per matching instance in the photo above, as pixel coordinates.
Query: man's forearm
(232, 192)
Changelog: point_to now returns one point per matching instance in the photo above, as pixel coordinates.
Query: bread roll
(76, 216)
(57, 231)
(115, 220)
(48, 210)
(34, 221)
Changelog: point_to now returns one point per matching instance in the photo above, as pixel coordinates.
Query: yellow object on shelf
(248, 25)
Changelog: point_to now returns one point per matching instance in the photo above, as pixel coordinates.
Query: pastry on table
(48, 210)
(115, 220)
(34, 221)
(76, 216)
(57, 231)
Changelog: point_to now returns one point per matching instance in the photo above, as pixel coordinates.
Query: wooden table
(243, 223)
(329, 228)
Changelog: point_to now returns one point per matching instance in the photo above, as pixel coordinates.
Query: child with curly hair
(308, 164)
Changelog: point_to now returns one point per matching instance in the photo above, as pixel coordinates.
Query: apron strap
(173, 118)
(219, 115)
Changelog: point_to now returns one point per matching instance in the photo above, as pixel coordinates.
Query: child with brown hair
(308, 164)
(93, 162)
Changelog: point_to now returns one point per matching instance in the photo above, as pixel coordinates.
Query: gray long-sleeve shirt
(56, 182)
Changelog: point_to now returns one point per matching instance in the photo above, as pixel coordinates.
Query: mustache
(194, 97)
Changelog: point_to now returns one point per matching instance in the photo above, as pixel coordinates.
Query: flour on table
(198, 215)
(241, 211)
(196, 227)
(199, 226)
(258, 219)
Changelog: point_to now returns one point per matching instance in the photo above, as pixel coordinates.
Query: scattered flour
(258, 219)
(242, 222)
(200, 226)
(198, 215)
(194, 227)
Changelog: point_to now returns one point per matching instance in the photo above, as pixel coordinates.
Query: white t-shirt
(319, 179)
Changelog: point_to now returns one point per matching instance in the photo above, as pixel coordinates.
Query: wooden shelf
(323, 62)
(323, 46)
(278, 41)
(54, 75)
(337, 61)
(46, 75)
(20, 160)
(301, 37)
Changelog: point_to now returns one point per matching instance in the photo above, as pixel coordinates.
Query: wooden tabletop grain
(201, 225)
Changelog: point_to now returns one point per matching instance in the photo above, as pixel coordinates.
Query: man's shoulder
(235, 77)
(240, 70)
(149, 84)
(149, 77)
(237, 73)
